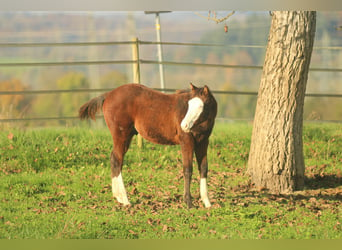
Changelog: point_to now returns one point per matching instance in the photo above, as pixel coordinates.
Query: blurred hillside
(244, 28)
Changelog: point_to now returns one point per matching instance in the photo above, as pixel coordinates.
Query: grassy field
(55, 184)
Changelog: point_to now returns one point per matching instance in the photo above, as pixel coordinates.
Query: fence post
(136, 75)
(136, 58)
(160, 53)
(93, 70)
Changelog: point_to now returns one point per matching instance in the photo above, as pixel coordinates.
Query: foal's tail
(90, 108)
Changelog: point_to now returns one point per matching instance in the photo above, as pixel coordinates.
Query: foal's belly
(158, 135)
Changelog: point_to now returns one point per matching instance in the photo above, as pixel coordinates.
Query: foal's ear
(193, 87)
(206, 90)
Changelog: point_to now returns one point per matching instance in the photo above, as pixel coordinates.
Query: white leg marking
(119, 190)
(195, 108)
(204, 192)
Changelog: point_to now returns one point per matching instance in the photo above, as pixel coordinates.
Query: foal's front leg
(187, 154)
(201, 156)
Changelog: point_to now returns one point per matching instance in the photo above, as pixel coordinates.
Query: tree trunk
(276, 160)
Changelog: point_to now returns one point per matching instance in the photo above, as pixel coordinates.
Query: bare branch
(214, 17)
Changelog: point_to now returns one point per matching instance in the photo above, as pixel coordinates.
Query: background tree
(12, 106)
(276, 160)
(70, 102)
(113, 79)
(64, 104)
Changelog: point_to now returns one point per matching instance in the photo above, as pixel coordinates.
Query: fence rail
(137, 43)
(146, 43)
(141, 61)
(224, 92)
(63, 118)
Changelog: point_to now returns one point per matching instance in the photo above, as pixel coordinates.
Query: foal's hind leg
(121, 144)
(118, 187)
(201, 157)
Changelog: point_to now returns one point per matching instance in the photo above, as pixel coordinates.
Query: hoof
(189, 204)
(123, 201)
(207, 203)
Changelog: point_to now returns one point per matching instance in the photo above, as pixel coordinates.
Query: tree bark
(276, 160)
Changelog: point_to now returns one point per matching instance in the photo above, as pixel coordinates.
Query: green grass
(55, 184)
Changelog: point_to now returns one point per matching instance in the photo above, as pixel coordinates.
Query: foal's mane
(182, 91)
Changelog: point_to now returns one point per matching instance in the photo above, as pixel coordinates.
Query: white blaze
(119, 190)
(195, 108)
(204, 192)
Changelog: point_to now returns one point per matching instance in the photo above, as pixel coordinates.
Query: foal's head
(202, 107)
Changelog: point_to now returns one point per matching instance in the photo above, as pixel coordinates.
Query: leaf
(37, 210)
(10, 136)
(132, 232)
(133, 191)
(61, 193)
(9, 223)
(80, 225)
(150, 221)
(93, 207)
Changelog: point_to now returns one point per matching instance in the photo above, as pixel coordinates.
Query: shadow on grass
(323, 181)
(325, 187)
